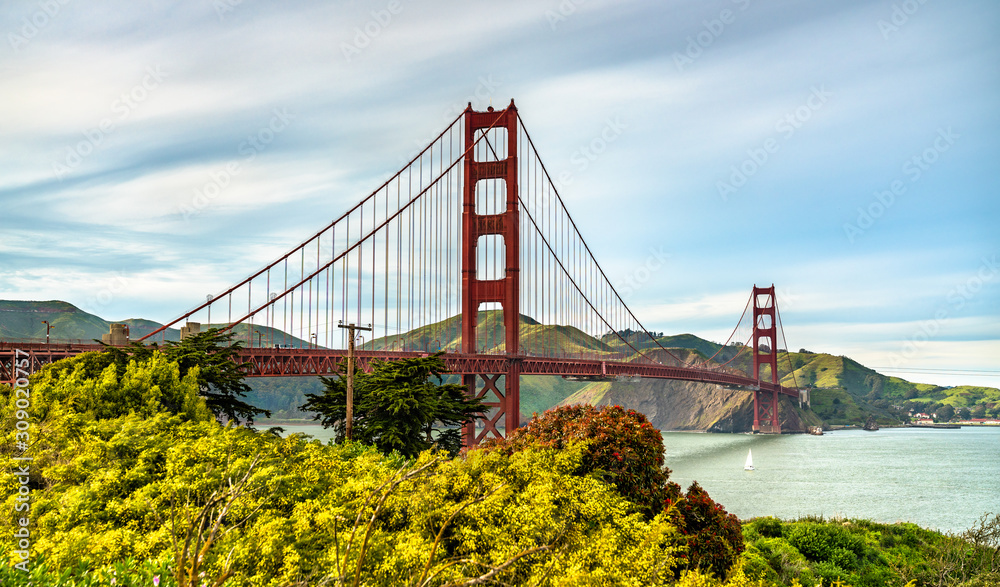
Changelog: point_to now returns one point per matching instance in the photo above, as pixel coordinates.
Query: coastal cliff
(689, 405)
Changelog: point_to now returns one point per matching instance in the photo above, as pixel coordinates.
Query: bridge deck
(265, 362)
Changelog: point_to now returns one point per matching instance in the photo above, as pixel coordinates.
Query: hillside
(535, 338)
(689, 405)
(22, 321)
(842, 390)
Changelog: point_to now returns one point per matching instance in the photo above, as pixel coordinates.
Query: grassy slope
(534, 337)
(23, 320)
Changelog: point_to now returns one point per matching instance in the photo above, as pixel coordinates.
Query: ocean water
(314, 430)
(941, 479)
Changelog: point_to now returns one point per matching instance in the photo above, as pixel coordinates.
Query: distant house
(925, 421)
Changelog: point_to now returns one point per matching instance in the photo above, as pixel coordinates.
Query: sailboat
(749, 465)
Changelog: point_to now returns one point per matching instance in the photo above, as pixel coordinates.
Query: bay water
(940, 479)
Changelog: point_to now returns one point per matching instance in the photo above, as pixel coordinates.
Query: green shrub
(755, 565)
(769, 527)
(787, 562)
(830, 573)
(827, 542)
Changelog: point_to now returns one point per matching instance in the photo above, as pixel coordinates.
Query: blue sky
(845, 151)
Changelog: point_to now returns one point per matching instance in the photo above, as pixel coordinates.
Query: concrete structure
(189, 329)
(118, 336)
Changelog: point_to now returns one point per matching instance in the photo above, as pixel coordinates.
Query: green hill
(535, 338)
(22, 321)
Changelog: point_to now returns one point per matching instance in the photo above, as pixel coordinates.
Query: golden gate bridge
(468, 250)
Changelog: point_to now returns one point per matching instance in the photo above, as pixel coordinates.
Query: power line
(923, 371)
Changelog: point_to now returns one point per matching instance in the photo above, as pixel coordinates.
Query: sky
(844, 150)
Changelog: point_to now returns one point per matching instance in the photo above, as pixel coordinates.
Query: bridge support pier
(765, 354)
(503, 398)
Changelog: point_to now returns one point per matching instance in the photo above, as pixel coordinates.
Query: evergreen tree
(396, 406)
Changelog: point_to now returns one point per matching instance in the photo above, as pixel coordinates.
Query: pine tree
(397, 406)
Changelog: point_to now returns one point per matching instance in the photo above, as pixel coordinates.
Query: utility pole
(48, 327)
(351, 328)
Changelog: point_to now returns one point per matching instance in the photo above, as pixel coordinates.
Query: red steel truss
(265, 362)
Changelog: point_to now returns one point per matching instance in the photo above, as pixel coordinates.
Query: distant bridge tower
(506, 290)
(765, 354)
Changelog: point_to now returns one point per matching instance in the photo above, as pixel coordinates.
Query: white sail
(749, 465)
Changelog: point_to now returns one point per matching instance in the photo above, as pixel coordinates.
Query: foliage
(128, 573)
(184, 378)
(864, 553)
(305, 513)
(216, 356)
(975, 553)
(714, 537)
(622, 447)
(396, 406)
(132, 479)
(91, 385)
(219, 372)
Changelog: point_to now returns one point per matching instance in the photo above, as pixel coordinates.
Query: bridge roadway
(266, 362)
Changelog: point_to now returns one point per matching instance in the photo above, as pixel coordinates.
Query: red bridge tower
(765, 403)
(506, 290)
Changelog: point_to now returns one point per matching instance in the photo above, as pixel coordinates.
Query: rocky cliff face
(688, 405)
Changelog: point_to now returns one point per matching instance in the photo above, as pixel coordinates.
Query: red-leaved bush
(626, 450)
(623, 445)
(714, 536)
